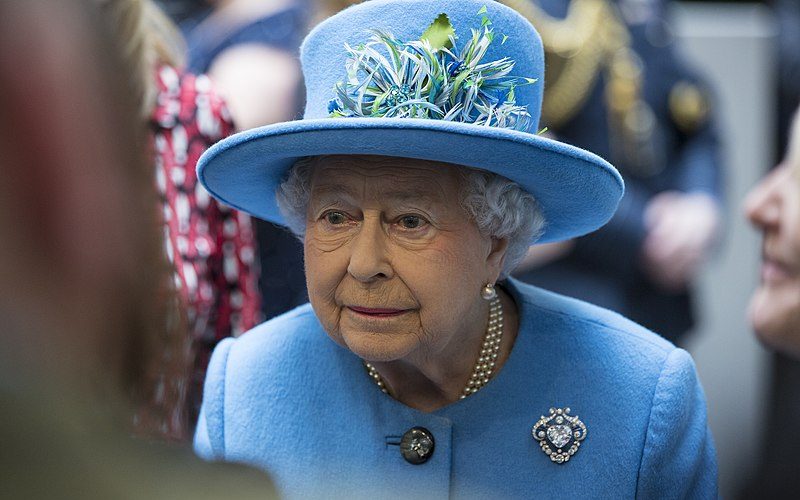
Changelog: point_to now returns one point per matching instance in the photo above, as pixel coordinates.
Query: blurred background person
(773, 207)
(250, 48)
(621, 90)
(211, 247)
(784, 376)
(88, 323)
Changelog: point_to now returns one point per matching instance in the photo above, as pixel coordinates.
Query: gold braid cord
(578, 47)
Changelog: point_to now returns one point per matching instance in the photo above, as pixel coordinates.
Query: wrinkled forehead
(384, 176)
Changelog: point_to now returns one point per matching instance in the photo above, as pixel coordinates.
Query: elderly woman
(419, 369)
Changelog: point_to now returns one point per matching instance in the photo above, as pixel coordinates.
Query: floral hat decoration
(456, 81)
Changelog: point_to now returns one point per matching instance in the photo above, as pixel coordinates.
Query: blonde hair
(147, 39)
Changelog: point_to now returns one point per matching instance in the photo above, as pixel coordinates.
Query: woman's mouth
(773, 271)
(374, 312)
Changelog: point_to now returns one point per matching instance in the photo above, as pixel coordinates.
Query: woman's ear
(496, 257)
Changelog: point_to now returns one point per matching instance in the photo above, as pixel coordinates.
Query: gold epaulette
(578, 48)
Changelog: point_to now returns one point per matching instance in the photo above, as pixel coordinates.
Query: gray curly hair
(498, 206)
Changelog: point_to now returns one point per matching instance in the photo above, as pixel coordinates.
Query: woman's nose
(369, 257)
(763, 205)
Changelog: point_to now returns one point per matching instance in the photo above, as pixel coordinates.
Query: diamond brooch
(559, 434)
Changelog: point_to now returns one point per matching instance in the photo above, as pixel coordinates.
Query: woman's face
(394, 265)
(773, 206)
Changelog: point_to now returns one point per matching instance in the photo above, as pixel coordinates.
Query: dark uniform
(616, 86)
(779, 457)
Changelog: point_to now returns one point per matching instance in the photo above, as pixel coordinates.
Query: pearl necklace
(487, 360)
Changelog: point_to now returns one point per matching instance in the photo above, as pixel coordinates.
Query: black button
(417, 445)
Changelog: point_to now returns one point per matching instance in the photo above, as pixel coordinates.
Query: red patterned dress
(211, 246)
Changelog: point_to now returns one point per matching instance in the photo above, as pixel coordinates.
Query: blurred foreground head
(80, 257)
(773, 207)
(82, 274)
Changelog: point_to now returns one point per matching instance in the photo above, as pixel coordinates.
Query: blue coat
(286, 398)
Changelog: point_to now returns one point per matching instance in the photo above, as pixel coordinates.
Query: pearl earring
(488, 292)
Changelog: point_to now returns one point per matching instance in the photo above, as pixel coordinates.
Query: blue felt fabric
(577, 190)
(286, 398)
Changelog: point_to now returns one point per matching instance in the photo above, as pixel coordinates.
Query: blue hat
(456, 81)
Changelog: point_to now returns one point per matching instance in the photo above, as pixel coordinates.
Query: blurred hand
(539, 255)
(681, 229)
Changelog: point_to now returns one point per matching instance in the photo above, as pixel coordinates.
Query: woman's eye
(335, 218)
(411, 221)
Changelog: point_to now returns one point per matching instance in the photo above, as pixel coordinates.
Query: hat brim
(577, 191)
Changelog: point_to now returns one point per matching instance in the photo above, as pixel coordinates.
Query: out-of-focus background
(690, 99)
(735, 46)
